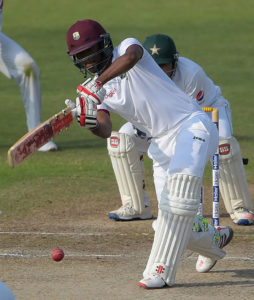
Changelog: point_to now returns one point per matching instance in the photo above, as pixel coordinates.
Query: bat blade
(39, 136)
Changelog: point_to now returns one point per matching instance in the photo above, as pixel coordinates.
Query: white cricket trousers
(185, 150)
(17, 64)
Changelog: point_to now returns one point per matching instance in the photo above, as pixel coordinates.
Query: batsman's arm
(104, 125)
(122, 64)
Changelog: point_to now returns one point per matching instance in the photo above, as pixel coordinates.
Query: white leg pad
(128, 170)
(177, 209)
(233, 183)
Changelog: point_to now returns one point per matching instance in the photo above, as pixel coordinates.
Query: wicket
(215, 175)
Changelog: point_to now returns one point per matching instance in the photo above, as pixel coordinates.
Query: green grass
(216, 34)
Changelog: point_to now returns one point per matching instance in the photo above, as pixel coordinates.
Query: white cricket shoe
(128, 213)
(223, 236)
(205, 264)
(154, 225)
(50, 146)
(154, 281)
(242, 216)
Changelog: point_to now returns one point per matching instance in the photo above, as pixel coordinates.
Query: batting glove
(93, 90)
(85, 110)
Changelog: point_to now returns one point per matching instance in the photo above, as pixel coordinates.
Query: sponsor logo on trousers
(198, 138)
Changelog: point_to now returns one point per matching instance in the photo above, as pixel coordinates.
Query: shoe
(205, 264)
(50, 146)
(154, 281)
(223, 236)
(154, 225)
(242, 216)
(128, 213)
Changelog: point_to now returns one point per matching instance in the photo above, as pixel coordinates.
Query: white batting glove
(88, 112)
(85, 110)
(92, 90)
(72, 107)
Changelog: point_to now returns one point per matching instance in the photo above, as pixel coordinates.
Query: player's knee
(26, 65)
(181, 194)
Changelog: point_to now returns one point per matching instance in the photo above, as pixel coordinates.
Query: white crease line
(21, 255)
(65, 233)
(66, 255)
(106, 255)
(59, 233)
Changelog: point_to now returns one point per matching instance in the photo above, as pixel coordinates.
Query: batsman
(126, 80)
(191, 79)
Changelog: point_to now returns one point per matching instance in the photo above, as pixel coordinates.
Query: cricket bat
(39, 136)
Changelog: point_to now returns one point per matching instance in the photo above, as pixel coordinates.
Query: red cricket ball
(57, 254)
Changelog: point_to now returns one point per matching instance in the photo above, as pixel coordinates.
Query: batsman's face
(167, 68)
(90, 58)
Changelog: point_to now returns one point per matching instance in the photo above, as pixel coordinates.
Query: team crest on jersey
(224, 149)
(114, 141)
(200, 96)
(76, 35)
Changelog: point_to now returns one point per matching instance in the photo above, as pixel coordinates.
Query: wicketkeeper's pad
(233, 184)
(128, 169)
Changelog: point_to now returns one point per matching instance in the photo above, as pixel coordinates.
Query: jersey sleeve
(121, 49)
(103, 106)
